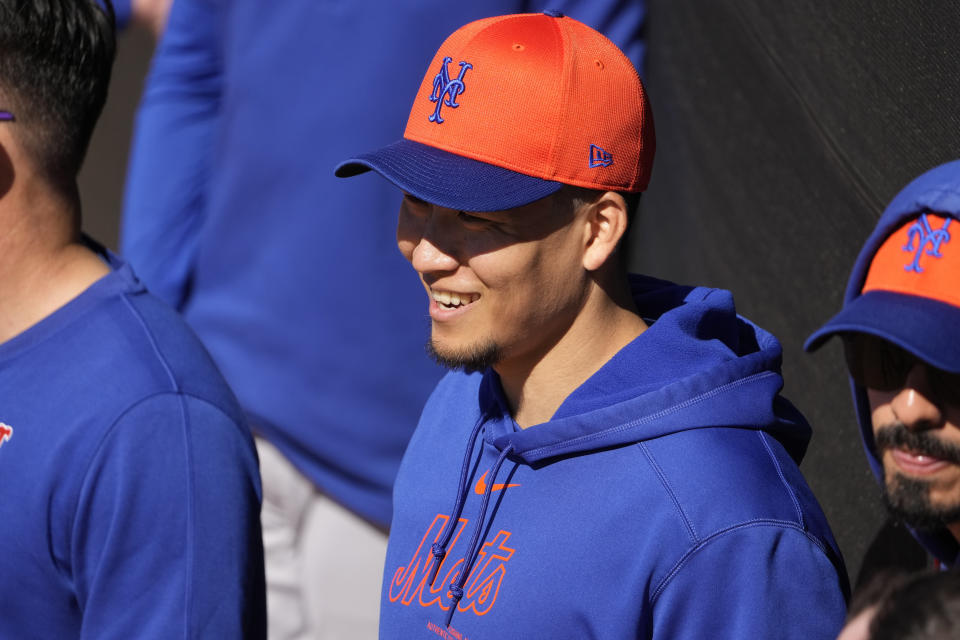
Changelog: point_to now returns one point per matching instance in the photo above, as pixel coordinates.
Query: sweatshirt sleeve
(760, 580)
(170, 158)
(166, 540)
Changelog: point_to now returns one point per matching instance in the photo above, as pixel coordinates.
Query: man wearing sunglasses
(899, 328)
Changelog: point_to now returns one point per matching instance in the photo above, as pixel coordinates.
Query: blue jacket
(290, 276)
(662, 500)
(130, 500)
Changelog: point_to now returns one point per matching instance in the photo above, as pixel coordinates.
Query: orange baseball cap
(514, 107)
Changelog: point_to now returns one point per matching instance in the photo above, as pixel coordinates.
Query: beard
(908, 499)
(472, 360)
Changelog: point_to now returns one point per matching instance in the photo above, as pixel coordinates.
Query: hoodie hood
(698, 369)
(703, 366)
(920, 324)
(698, 365)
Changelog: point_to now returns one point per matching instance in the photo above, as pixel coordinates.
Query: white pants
(323, 563)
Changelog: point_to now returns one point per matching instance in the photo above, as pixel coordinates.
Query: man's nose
(915, 405)
(429, 257)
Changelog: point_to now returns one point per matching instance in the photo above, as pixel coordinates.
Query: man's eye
(414, 199)
(469, 217)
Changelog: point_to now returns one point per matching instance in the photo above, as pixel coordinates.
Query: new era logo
(599, 157)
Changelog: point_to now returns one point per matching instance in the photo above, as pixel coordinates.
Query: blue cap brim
(448, 180)
(924, 327)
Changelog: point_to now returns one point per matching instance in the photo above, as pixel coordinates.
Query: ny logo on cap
(928, 241)
(445, 90)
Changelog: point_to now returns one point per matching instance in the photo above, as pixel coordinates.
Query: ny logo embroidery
(928, 241)
(6, 432)
(445, 90)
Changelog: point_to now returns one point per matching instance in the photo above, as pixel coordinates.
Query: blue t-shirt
(130, 490)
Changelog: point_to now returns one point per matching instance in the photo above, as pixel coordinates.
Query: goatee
(908, 499)
(477, 358)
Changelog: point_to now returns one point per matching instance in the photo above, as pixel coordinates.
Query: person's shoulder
(169, 355)
(722, 478)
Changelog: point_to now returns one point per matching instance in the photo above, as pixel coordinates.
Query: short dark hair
(56, 57)
(925, 607)
(910, 606)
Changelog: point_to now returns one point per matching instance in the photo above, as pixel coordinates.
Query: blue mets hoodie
(662, 500)
(937, 190)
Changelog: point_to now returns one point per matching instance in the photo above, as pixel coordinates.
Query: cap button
(553, 13)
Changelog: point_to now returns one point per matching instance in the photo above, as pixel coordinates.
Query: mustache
(897, 436)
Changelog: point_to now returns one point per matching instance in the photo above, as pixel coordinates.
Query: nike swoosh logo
(481, 487)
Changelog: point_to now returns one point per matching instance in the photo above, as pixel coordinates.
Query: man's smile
(452, 299)
(917, 464)
(916, 453)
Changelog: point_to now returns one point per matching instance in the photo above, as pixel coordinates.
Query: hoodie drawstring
(456, 588)
(439, 549)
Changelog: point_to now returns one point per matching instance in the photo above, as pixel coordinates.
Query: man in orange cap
(609, 457)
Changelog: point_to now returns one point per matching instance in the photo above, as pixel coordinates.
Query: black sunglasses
(6, 115)
(877, 364)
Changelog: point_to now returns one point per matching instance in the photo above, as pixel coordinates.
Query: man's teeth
(449, 299)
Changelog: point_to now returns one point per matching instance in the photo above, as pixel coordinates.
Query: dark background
(102, 176)
(783, 128)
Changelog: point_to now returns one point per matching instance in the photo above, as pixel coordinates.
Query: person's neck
(536, 386)
(43, 263)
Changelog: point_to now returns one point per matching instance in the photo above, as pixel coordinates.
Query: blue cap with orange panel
(905, 286)
(512, 108)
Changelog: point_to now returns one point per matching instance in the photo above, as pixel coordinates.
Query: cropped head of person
(527, 145)
(56, 57)
(898, 326)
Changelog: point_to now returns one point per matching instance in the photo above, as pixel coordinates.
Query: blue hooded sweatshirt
(662, 499)
(938, 191)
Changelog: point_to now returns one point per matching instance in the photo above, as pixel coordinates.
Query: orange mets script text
(409, 583)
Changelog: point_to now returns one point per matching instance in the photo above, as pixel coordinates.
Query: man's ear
(6, 171)
(605, 224)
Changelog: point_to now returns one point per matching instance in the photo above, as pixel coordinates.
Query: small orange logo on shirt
(481, 487)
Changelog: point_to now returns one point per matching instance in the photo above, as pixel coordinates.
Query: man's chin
(471, 359)
(908, 500)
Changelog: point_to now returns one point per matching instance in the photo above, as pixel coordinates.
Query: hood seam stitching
(666, 485)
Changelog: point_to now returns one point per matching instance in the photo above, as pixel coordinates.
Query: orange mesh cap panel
(920, 259)
(543, 96)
